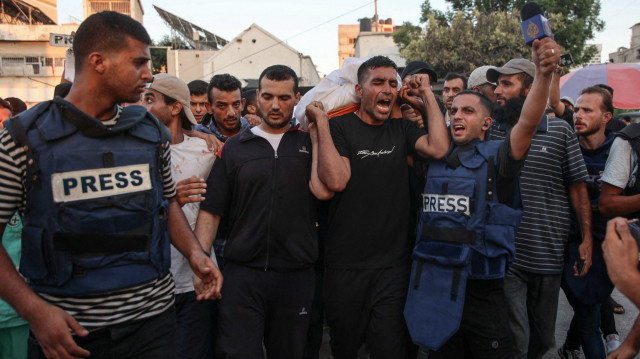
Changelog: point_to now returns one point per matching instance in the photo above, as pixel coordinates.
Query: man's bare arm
(207, 228)
(554, 92)
(49, 324)
(582, 208)
(186, 242)
(436, 143)
(317, 187)
(333, 170)
(613, 203)
(545, 54)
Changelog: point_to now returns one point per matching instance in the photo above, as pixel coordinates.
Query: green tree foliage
(159, 51)
(479, 32)
(468, 42)
(406, 33)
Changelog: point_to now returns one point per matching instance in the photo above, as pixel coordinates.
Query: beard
(509, 112)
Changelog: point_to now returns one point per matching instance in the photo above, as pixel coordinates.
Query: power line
(291, 37)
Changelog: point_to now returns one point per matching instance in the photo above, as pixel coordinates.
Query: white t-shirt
(189, 158)
(274, 139)
(621, 165)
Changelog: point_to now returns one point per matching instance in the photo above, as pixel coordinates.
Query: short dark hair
(484, 100)
(6, 104)
(526, 80)
(184, 120)
(606, 87)
(17, 105)
(250, 99)
(223, 82)
(455, 75)
(372, 63)
(279, 73)
(105, 31)
(197, 87)
(607, 99)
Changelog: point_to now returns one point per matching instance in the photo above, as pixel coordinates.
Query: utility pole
(376, 16)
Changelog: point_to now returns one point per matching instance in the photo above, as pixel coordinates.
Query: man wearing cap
(552, 180)
(93, 184)
(478, 82)
(167, 98)
(410, 112)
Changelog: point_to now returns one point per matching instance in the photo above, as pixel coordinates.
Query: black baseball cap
(415, 67)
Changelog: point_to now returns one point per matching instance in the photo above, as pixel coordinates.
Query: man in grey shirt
(551, 179)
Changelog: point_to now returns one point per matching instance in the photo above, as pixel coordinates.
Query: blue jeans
(533, 307)
(585, 329)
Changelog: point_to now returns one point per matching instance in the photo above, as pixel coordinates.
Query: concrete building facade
(30, 67)
(347, 35)
(246, 56)
(631, 54)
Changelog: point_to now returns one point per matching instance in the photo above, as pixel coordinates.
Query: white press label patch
(100, 182)
(445, 203)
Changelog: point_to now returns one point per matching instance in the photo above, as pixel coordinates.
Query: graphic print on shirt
(369, 153)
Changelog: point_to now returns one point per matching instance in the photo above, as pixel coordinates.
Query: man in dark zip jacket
(265, 182)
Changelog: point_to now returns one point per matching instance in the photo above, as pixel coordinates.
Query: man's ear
(526, 91)
(175, 108)
(359, 91)
(487, 123)
(98, 62)
(297, 98)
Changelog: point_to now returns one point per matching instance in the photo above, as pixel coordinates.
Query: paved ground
(624, 323)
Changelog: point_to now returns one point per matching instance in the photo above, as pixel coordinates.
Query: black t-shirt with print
(369, 220)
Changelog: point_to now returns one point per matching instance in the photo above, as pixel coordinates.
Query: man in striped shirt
(552, 179)
(67, 312)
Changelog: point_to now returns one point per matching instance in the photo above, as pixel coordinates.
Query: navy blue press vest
(464, 233)
(95, 219)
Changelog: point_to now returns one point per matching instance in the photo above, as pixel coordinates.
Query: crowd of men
(191, 226)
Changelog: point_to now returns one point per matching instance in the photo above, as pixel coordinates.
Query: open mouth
(458, 128)
(384, 106)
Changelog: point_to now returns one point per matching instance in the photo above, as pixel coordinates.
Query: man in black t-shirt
(363, 158)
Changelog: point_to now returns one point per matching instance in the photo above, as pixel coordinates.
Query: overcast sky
(311, 26)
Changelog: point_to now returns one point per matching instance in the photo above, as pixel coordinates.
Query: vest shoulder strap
(18, 127)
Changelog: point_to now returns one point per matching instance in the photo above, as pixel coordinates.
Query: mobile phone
(566, 60)
(634, 228)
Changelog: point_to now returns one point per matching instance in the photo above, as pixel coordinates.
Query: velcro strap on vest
(491, 178)
(107, 160)
(97, 244)
(454, 235)
(416, 280)
(455, 282)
